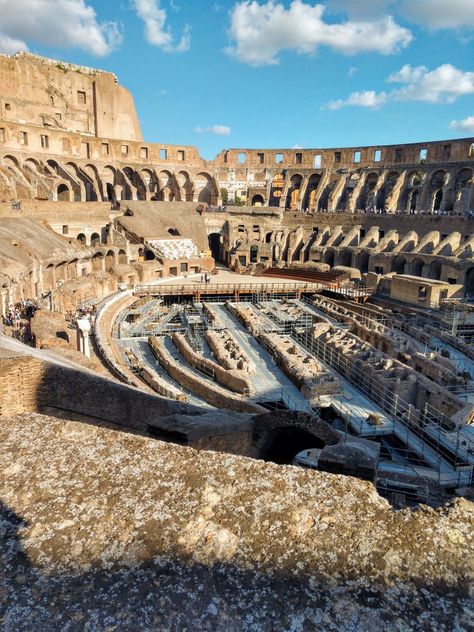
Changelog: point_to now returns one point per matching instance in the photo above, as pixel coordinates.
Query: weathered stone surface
(102, 530)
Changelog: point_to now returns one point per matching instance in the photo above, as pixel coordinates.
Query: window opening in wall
(261, 158)
(241, 228)
(226, 155)
(51, 100)
(184, 267)
(163, 154)
(241, 158)
(124, 149)
(81, 96)
(337, 157)
(315, 229)
(181, 154)
(65, 230)
(452, 281)
(144, 152)
(446, 152)
(105, 149)
(298, 158)
(8, 107)
(422, 293)
(378, 270)
(278, 159)
(377, 155)
(317, 161)
(398, 155)
(423, 155)
(357, 156)
(23, 138)
(44, 141)
(85, 152)
(59, 116)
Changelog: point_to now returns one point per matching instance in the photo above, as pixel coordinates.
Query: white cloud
(221, 130)
(465, 125)
(444, 84)
(156, 31)
(261, 31)
(360, 8)
(439, 14)
(367, 99)
(67, 23)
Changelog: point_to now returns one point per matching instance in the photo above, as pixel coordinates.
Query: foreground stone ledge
(93, 497)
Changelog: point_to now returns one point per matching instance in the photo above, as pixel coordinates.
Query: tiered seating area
(174, 249)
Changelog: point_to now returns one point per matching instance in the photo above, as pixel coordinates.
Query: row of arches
(70, 182)
(415, 190)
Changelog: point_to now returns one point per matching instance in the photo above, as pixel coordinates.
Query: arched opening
(122, 256)
(309, 201)
(149, 255)
(416, 268)
(253, 254)
(398, 265)
(329, 257)
(367, 196)
(81, 238)
(345, 258)
(294, 191)
(283, 444)
(95, 239)
(469, 283)
(438, 198)
(215, 246)
(363, 262)
(109, 259)
(257, 200)
(97, 261)
(204, 197)
(63, 193)
(174, 231)
(434, 270)
(111, 193)
(268, 238)
(413, 200)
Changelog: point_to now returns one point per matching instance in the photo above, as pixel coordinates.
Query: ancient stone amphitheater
(234, 394)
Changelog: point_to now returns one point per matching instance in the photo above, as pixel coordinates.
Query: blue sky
(226, 73)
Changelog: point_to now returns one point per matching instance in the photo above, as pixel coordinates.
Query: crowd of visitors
(17, 319)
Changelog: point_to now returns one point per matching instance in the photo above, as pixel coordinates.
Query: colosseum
(247, 380)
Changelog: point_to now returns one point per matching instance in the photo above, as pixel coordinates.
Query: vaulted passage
(283, 444)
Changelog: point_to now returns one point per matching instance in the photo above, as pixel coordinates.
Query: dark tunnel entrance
(215, 246)
(281, 445)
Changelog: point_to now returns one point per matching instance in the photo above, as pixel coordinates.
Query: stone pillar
(83, 329)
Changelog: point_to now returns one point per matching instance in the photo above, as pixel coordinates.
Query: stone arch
(185, 186)
(88, 184)
(345, 258)
(10, 160)
(254, 253)
(283, 444)
(122, 256)
(257, 200)
(97, 262)
(398, 265)
(328, 257)
(95, 239)
(437, 200)
(386, 190)
(434, 270)
(109, 259)
(416, 267)
(93, 174)
(309, 201)
(294, 188)
(216, 246)
(63, 194)
(53, 168)
(81, 238)
(167, 186)
(205, 189)
(363, 262)
(367, 196)
(135, 178)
